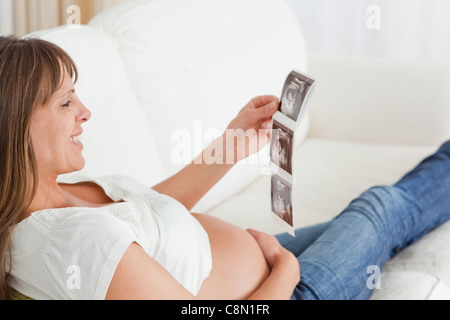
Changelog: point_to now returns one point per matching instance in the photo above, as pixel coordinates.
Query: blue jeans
(336, 258)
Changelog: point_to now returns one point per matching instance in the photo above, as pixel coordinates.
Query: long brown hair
(30, 73)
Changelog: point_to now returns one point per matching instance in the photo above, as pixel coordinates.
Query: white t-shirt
(72, 253)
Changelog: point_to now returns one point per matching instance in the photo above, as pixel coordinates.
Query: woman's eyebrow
(67, 93)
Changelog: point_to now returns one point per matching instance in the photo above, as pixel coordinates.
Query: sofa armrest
(373, 100)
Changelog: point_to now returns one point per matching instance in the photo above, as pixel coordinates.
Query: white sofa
(164, 77)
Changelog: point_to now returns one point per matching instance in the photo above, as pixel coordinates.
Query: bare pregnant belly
(239, 266)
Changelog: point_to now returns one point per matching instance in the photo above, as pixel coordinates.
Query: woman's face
(56, 131)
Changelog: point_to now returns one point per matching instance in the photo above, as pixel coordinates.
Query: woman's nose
(85, 113)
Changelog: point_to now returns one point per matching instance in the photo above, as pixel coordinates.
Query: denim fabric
(338, 258)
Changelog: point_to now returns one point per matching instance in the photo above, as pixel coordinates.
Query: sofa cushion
(327, 176)
(410, 285)
(193, 64)
(430, 255)
(117, 138)
(15, 295)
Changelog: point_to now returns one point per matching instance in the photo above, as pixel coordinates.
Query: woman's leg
(304, 237)
(373, 228)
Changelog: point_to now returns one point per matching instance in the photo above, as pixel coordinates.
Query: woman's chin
(79, 168)
(76, 167)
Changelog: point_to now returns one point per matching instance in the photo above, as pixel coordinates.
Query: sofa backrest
(380, 101)
(160, 74)
(194, 61)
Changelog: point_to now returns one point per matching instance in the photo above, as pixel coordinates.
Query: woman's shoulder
(109, 187)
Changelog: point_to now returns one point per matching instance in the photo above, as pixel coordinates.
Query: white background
(417, 30)
(6, 17)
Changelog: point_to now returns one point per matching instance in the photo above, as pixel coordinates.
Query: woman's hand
(285, 269)
(274, 252)
(250, 131)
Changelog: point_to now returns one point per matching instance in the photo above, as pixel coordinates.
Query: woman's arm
(190, 184)
(247, 134)
(139, 277)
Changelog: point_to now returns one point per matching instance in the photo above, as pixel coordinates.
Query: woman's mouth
(76, 140)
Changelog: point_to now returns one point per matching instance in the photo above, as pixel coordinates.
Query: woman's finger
(262, 101)
(264, 112)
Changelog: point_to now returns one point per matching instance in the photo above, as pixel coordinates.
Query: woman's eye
(67, 104)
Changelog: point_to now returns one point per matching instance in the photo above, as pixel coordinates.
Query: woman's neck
(49, 195)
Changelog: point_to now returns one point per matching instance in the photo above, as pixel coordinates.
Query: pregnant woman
(112, 238)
